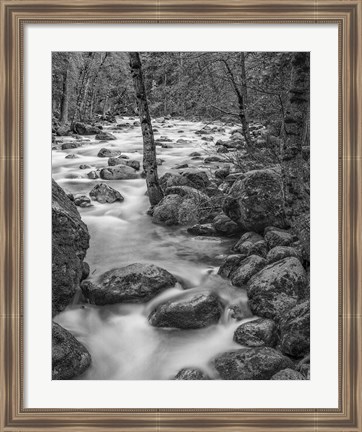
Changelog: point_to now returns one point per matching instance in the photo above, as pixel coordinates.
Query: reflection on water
(122, 343)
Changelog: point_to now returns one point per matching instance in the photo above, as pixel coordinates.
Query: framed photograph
(180, 216)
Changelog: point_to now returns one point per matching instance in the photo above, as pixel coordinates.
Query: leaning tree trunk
(296, 195)
(155, 193)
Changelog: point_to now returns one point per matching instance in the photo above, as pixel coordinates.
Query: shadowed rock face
(251, 364)
(69, 357)
(191, 374)
(135, 283)
(198, 311)
(70, 242)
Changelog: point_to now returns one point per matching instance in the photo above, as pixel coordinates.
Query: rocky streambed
(209, 284)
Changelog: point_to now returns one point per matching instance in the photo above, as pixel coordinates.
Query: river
(121, 342)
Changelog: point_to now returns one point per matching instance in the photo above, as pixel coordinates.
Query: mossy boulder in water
(135, 283)
(118, 172)
(197, 311)
(70, 241)
(251, 243)
(105, 136)
(105, 194)
(69, 357)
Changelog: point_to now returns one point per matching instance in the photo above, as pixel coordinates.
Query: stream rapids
(122, 344)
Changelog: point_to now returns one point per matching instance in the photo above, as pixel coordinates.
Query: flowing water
(121, 342)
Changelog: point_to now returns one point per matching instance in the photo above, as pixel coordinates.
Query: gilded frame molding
(14, 14)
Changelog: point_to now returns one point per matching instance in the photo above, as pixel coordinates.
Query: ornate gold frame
(348, 15)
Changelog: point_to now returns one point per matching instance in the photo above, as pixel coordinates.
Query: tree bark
(64, 105)
(297, 200)
(155, 193)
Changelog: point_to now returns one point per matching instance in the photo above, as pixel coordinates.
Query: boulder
(277, 237)
(71, 156)
(256, 201)
(118, 172)
(239, 311)
(251, 364)
(202, 230)
(196, 178)
(222, 173)
(251, 243)
(195, 154)
(69, 357)
(182, 205)
(225, 226)
(119, 160)
(105, 136)
(105, 194)
(280, 252)
(108, 153)
(246, 269)
(92, 175)
(167, 210)
(257, 333)
(82, 201)
(169, 179)
(71, 145)
(70, 241)
(287, 374)
(230, 265)
(135, 283)
(133, 164)
(210, 159)
(63, 130)
(197, 311)
(84, 129)
(277, 288)
(191, 374)
(295, 331)
(84, 166)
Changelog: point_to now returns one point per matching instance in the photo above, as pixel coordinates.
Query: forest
(181, 207)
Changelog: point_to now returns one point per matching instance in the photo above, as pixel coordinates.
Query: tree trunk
(297, 205)
(64, 104)
(155, 193)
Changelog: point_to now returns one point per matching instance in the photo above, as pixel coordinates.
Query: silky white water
(121, 342)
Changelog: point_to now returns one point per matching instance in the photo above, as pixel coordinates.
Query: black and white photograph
(180, 215)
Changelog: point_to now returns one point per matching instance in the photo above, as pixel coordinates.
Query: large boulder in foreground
(70, 241)
(118, 172)
(257, 333)
(191, 374)
(256, 201)
(197, 311)
(277, 288)
(251, 364)
(69, 357)
(135, 283)
(295, 331)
